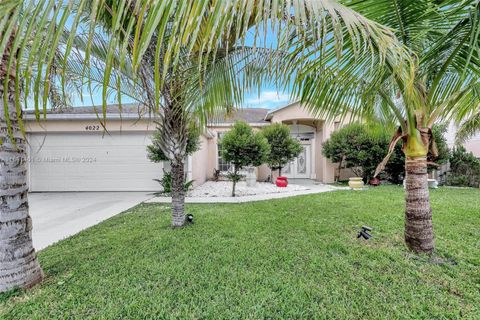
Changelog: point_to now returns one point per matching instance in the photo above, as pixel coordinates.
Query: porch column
(328, 168)
(188, 168)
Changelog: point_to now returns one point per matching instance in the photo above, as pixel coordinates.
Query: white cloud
(267, 97)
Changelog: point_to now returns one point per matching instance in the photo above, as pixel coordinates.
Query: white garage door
(90, 162)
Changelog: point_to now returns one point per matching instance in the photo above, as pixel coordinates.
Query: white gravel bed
(224, 189)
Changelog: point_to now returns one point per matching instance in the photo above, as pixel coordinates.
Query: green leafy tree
(186, 98)
(464, 168)
(283, 147)
(357, 147)
(362, 147)
(242, 147)
(395, 168)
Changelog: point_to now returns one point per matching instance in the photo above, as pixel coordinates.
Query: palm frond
(468, 128)
(196, 26)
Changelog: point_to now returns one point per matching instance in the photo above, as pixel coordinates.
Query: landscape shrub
(362, 147)
(242, 147)
(464, 169)
(166, 183)
(283, 147)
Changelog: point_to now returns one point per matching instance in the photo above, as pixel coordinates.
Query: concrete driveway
(57, 215)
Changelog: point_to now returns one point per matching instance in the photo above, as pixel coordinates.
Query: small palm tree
(443, 40)
(180, 104)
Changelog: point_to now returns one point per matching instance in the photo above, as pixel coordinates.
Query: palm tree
(32, 37)
(182, 103)
(443, 40)
(19, 266)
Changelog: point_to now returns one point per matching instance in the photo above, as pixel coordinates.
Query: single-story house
(71, 151)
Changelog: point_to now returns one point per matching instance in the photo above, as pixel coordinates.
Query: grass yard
(289, 258)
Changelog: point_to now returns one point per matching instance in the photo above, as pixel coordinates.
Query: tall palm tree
(37, 28)
(443, 40)
(19, 266)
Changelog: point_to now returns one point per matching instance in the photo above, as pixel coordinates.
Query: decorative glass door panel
(299, 168)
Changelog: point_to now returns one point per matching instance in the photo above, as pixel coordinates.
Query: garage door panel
(90, 162)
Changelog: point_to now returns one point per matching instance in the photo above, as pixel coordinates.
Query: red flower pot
(281, 182)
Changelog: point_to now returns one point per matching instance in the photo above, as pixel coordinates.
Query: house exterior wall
(290, 112)
(473, 146)
(263, 173)
(211, 158)
(203, 162)
(198, 164)
(89, 125)
(327, 167)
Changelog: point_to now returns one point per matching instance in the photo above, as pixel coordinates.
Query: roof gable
(293, 110)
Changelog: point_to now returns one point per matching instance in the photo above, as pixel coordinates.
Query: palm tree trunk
(233, 188)
(235, 177)
(178, 194)
(418, 214)
(19, 266)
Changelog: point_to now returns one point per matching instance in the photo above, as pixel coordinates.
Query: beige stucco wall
(89, 125)
(204, 161)
(290, 112)
(473, 146)
(327, 167)
(262, 172)
(324, 169)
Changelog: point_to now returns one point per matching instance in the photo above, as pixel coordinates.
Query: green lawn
(288, 258)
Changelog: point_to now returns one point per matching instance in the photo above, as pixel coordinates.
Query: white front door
(300, 167)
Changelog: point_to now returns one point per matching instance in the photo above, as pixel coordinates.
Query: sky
(269, 97)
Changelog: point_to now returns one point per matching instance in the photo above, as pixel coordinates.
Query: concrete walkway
(313, 188)
(57, 215)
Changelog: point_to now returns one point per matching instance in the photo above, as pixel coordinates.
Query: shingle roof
(112, 109)
(250, 115)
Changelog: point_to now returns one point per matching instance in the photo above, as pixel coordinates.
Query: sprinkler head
(190, 218)
(364, 233)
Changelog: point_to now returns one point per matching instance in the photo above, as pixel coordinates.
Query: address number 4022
(92, 128)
